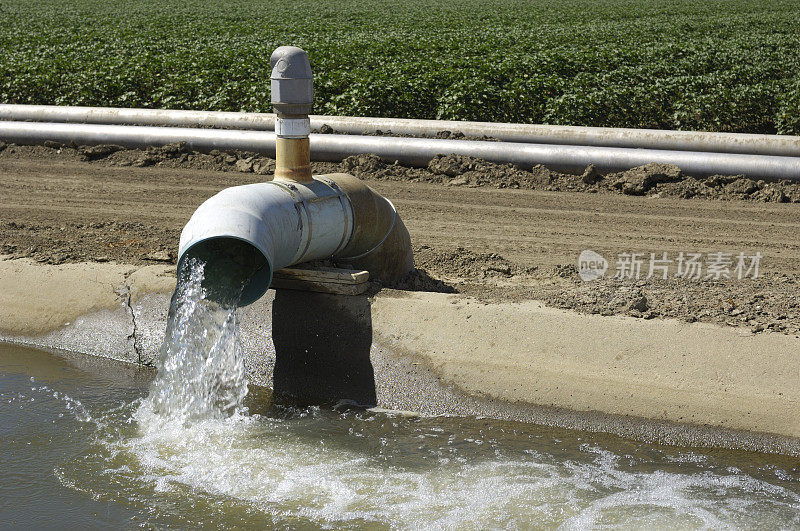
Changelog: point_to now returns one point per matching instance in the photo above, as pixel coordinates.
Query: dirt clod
(640, 180)
(99, 152)
(174, 149)
(742, 187)
(464, 263)
(159, 256)
(363, 163)
(590, 175)
(639, 304)
(449, 135)
(244, 165)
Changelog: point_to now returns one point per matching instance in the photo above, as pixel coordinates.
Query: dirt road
(495, 243)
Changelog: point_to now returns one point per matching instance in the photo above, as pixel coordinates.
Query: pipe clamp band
(347, 211)
(385, 237)
(292, 127)
(302, 213)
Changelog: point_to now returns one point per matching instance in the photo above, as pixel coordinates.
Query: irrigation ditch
(246, 156)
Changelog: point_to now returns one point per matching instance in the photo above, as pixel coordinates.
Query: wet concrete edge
(404, 383)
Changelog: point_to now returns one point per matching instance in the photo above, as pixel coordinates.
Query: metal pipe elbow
(233, 234)
(244, 233)
(380, 242)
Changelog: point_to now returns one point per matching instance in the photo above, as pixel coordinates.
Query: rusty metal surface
(380, 240)
(292, 159)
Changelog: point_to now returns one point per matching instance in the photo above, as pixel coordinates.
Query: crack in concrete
(137, 348)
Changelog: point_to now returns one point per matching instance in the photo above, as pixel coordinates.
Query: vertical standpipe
(244, 233)
(292, 84)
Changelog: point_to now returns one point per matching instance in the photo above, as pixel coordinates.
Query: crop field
(725, 65)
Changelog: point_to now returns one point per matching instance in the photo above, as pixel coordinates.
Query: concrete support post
(322, 357)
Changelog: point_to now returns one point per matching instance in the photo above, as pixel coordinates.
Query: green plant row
(727, 65)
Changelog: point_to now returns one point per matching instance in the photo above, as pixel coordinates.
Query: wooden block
(322, 280)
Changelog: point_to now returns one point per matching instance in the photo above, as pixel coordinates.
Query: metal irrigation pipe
(777, 145)
(410, 151)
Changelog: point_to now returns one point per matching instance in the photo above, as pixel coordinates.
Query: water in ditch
(86, 442)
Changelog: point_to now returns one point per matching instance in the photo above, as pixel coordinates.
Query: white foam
(281, 469)
(333, 470)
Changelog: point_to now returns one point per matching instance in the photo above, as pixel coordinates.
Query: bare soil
(495, 231)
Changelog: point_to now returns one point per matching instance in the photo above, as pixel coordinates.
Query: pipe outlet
(244, 233)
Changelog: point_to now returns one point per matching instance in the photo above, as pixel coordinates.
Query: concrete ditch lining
(661, 381)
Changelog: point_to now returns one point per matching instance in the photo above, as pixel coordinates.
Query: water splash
(317, 468)
(195, 441)
(201, 374)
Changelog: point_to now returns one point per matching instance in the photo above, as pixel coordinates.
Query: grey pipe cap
(292, 81)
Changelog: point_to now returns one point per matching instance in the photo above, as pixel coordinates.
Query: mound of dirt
(178, 154)
(470, 171)
(99, 242)
(642, 179)
(768, 303)
(371, 166)
(326, 129)
(659, 180)
(175, 155)
(466, 264)
(421, 280)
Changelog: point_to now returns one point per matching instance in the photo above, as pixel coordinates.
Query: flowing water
(87, 442)
(201, 374)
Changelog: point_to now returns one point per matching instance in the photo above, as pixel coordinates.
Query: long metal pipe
(151, 117)
(204, 140)
(777, 145)
(411, 151)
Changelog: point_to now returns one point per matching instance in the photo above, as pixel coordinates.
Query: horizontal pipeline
(777, 145)
(150, 117)
(410, 151)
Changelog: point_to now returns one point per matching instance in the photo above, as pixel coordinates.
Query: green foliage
(789, 111)
(719, 65)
